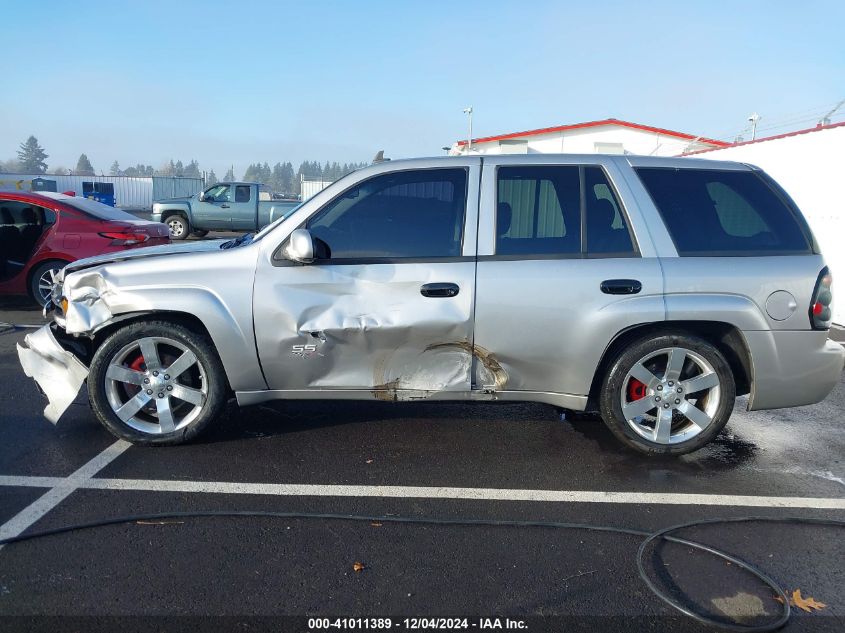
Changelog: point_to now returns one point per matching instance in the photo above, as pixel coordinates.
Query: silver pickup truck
(652, 290)
(225, 206)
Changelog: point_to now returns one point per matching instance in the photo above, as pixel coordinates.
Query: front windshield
(98, 209)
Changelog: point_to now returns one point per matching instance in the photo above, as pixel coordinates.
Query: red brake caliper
(138, 365)
(636, 390)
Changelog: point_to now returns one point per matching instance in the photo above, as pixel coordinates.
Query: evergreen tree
(211, 179)
(32, 156)
(84, 166)
(230, 174)
(178, 168)
(115, 169)
(192, 170)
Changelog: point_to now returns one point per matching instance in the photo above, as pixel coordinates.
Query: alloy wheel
(670, 395)
(156, 385)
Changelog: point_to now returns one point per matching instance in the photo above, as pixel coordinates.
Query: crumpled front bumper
(58, 373)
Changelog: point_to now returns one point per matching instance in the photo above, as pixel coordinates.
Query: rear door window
(540, 210)
(724, 212)
(607, 230)
(242, 193)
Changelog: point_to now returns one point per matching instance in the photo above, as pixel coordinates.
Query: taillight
(820, 309)
(123, 238)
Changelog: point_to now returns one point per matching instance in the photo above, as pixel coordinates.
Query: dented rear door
(389, 313)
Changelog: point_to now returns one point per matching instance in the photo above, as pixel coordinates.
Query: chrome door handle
(439, 290)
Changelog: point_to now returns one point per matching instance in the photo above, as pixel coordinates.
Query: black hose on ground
(650, 537)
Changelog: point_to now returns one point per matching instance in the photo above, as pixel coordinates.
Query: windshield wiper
(246, 238)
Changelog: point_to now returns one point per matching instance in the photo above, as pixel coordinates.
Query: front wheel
(156, 382)
(178, 227)
(669, 394)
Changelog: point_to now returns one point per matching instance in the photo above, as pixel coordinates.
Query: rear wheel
(156, 383)
(668, 394)
(178, 227)
(41, 280)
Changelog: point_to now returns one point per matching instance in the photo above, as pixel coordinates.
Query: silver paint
(517, 330)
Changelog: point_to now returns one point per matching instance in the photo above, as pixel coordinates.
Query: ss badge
(303, 351)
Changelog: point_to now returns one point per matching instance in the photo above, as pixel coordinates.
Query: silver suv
(652, 290)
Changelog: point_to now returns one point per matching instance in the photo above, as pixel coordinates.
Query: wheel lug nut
(666, 405)
(678, 401)
(657, 398)
(149, 392)
(170, 387)
(671, 382)
(161, 395)
(155, 373)
(167, 376)
(660, 387)
(146, 381)
(680, 390)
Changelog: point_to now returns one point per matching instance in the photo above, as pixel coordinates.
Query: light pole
(753, 120)
(468, 112)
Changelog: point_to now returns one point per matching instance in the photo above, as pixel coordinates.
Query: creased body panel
(548, 322)
(365, 327)
(213, 286)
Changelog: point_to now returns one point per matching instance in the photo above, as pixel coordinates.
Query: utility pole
(468, 112)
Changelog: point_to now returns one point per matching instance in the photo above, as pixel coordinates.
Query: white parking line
(60, 488)
(424, 492)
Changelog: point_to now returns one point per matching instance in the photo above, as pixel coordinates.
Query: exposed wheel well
(723, 336)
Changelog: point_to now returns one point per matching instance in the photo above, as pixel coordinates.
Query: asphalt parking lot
(439, 460)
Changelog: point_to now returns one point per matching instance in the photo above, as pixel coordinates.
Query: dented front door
(390, 312)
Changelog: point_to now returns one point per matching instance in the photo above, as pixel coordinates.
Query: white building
(608, 136)
(808, 164)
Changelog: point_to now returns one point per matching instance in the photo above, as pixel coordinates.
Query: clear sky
(239, 82)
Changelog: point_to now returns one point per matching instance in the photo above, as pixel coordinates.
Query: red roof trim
(817, 128)
(589, 124)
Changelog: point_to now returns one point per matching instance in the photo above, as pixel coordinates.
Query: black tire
(100, 388)
(617, 379)
(178, 226)
(35, 278)
(200, 233)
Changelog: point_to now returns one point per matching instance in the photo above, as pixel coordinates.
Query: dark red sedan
(42, 232)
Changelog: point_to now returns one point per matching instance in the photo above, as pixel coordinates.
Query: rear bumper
(792, 369)
(58, 373)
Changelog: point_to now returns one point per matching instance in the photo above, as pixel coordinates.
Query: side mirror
(300, 247)
(201, 197)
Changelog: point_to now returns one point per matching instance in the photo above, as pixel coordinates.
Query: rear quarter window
(722, 212)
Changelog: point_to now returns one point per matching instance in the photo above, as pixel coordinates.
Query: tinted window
(607, 231)
(715, 212)
(402, 214)
(538, 210)
(242, 193)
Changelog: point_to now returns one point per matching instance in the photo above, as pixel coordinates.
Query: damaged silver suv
(652, 290)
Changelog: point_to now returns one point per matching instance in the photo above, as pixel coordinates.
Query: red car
(42, 232)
